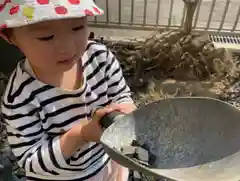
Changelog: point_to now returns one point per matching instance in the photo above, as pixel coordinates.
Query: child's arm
(35, 151)
(118, 90)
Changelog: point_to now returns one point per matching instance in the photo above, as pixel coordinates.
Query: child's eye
(78, 28)
(46, 38)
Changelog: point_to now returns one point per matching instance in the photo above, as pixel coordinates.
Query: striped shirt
(37, 114)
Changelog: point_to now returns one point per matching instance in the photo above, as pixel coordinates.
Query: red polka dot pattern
(74, 1)
(87, 12)
(14, 10)
(3, 5)
(96, 10)
(43, 2)
(61, 10)
(3, 26)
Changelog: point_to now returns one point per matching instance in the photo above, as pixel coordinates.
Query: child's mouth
(67, 60)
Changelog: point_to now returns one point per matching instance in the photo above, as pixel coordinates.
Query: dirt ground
(155, 88)
(160, 89)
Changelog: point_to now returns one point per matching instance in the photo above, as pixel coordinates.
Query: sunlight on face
(53, 45)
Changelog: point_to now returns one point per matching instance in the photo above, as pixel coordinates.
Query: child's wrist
(71, 142)
(77, 133)
(83, 133)
(81, 138)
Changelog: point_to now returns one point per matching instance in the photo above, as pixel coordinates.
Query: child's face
(52, 46)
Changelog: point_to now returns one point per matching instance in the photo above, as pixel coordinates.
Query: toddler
(51, 94)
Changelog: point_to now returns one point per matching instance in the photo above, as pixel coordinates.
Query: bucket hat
(17, 13)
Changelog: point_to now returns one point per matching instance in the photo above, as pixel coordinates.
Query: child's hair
(7, 32)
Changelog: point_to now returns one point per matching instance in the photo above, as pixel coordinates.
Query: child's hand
(92, 131)
(123, 107)
(83, 132)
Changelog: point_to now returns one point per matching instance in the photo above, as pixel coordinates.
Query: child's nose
(66, 46)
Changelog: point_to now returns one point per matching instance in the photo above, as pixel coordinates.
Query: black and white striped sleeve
(118, 90)
(35, 151)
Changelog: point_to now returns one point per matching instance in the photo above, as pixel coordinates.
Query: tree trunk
(191, 6)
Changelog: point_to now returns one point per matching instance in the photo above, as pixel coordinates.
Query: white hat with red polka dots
(16, 13)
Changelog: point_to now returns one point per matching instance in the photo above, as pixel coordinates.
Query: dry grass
(175, 64)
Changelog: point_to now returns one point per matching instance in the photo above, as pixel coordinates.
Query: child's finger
(123, 107)
(99, 113)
